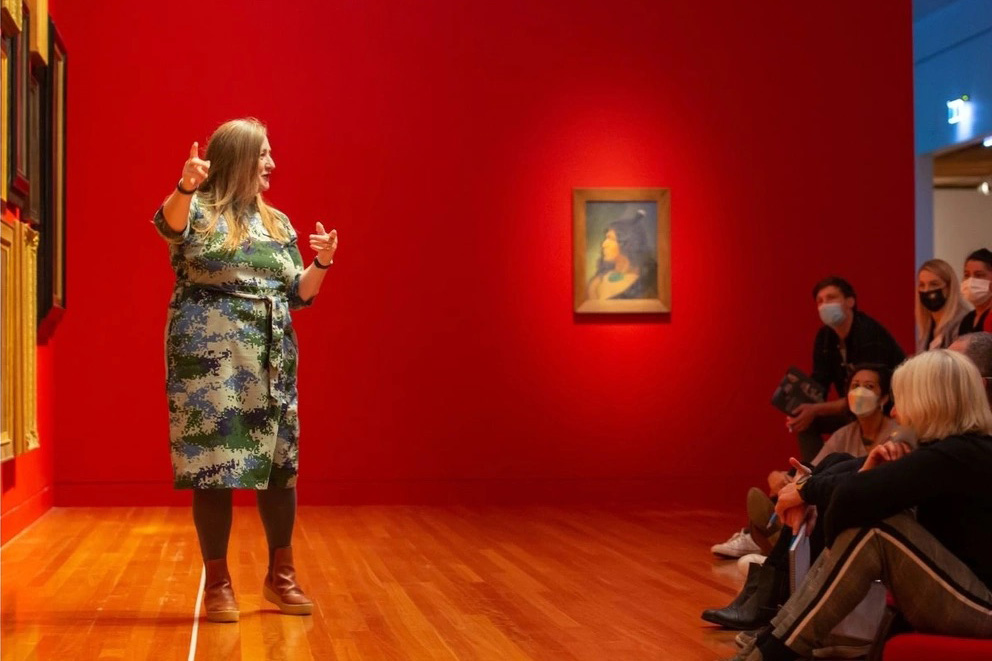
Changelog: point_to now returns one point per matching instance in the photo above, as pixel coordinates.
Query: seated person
(978, 348)
(940, 306)
(977, 290)
(866, 399)
(937, 566)
(848, 337)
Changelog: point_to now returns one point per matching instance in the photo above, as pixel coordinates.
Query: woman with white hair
(938, 565)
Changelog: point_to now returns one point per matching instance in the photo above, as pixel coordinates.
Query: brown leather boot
(218, 595)
(280, 585)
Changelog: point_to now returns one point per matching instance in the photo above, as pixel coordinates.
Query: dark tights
(212, 513)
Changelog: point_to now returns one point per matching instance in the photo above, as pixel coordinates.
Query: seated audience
(939, 306)
(937, 566)
(848, 337)
(867, 396)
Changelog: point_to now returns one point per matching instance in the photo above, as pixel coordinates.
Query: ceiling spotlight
(987, 142)
(985, 188)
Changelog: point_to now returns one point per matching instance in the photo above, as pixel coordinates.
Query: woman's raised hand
(324, 243)
(195, 170)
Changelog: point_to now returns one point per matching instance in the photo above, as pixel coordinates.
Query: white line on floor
(196, 614)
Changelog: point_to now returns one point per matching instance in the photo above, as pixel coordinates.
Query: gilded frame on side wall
(621, 250)
(8, 322)
(6, 44)
(11, 15)
(27, 335)
(16, 34)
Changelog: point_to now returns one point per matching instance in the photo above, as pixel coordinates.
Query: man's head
(978, 348)
(835, 300)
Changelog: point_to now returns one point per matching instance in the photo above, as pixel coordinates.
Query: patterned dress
(231, 356)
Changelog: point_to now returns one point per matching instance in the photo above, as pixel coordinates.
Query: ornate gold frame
(18, 335)
(8, 299)
(27, 350)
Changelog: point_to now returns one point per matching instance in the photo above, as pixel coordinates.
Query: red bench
(924, 647)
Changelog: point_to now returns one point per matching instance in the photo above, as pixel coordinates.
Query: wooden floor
(536, 583)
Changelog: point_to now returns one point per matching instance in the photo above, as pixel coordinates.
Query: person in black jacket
(938, 565)
(847, 338)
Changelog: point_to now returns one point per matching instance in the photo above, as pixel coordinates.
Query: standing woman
(231, 353)
(939, 307)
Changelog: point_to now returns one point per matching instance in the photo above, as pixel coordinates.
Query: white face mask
(976, 290)
(832, 314)
(862, 401)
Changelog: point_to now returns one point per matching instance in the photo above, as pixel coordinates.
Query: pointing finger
(320, 228)
(194, 151)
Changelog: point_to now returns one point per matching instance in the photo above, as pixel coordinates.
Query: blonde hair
(952, 308)
(939, 394)
(231, 187)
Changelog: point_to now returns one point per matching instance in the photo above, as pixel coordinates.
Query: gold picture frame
(27, 334)
(621, 250)
(8, 282)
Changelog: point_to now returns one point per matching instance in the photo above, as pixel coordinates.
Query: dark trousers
(932, 588)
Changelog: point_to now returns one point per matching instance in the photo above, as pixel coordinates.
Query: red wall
(442, 362)
(26, 481)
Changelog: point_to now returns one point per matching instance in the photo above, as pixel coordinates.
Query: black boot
(758, 609)
(750, 584)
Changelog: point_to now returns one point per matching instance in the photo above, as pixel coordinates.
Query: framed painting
(6, 153)
(18, 56)
(621, 249)
(52, 254)
(8, 297)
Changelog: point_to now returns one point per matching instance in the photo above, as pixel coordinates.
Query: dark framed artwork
(52, 253)
(621, 249)
(37, 90)
(19, 186)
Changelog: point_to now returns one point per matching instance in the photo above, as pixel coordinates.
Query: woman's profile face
(610, 246)
(265, 166)
(929, 281)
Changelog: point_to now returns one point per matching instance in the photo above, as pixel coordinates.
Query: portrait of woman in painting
(627, 267)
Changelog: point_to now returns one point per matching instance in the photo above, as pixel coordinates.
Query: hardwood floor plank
(389, 583)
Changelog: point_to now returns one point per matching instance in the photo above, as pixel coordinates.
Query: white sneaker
(739, 545)
(744, 562)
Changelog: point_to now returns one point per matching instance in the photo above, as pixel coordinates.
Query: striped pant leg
(934, 590)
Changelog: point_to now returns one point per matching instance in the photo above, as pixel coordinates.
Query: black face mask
(933, 300)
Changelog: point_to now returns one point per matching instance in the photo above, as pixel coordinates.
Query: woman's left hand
(324, 243)
(795, 517)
